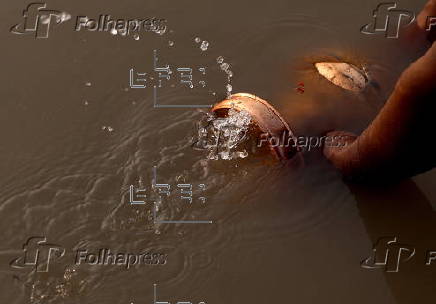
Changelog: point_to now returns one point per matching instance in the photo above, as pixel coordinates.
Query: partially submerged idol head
(266, 119)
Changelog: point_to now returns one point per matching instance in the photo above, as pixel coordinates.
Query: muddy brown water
(75, 136)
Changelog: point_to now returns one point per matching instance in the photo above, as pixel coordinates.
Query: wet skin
(398, 143)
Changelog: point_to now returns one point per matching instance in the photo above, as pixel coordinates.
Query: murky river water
(76, 136)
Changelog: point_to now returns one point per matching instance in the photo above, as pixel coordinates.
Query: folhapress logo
(388, 254)
(388, 20)
(39, 20)
(38, 254)
(430, 22)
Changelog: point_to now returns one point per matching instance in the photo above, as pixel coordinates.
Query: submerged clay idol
(264, 117)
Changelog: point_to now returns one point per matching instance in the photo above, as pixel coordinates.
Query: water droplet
(242, 154)
(197, 40)
(64, 17)
(224, 66)
(229, 88)
(204, 45)
(45, 19)
(170, 43)
(107, 128)
(161, 31)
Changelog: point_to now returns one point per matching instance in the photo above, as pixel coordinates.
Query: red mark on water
(300, 88)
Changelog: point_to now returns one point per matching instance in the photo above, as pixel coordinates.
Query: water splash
(225, 67)
(222, 137)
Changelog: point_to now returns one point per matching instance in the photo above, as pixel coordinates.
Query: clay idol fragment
(344, 75)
